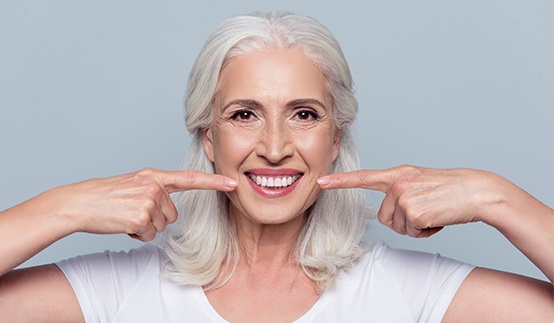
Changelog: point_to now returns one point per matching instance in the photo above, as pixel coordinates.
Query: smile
(274, 182)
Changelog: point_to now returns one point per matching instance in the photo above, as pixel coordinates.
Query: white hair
(203, 243)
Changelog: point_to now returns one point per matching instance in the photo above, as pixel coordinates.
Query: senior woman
(264, 232)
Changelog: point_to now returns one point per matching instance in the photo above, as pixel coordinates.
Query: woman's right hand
(137, 204)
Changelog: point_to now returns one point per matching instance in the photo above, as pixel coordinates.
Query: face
(273, 132)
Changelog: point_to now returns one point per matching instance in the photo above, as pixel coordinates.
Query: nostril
(274, 144)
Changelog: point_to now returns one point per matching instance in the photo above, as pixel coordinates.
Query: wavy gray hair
(203, 244)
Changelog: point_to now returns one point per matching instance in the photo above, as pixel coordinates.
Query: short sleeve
(428, 282)
(103, 281)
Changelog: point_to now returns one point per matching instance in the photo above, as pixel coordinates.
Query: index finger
(378, 180)
(176, 181)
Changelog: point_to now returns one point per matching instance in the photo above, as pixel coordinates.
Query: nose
(275, 143)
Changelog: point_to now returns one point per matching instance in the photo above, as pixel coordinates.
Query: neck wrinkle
(266, 246)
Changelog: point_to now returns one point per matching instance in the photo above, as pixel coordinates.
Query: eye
(242, 115)
(307, 115)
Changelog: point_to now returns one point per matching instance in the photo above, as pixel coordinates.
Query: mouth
(273, 182)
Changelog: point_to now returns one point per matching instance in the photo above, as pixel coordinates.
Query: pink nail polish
(231, 183)
(323, 181)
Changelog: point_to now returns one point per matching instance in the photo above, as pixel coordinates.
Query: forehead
(272, 74)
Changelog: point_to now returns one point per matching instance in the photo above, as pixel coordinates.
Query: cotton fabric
(384, 285)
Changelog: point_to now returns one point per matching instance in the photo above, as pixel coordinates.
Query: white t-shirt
(385, 285)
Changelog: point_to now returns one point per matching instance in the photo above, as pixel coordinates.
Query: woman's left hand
(419, 201)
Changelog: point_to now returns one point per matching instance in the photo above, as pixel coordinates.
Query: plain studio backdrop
(95, 88)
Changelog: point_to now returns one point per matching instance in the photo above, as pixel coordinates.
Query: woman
(270, 106)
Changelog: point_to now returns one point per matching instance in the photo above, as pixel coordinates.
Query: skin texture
(272, 116)
(141, 199)
(420, 201)
(263, 120)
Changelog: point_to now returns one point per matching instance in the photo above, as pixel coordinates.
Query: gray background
(95, 88)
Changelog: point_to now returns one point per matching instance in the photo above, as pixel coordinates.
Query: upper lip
(274, 172)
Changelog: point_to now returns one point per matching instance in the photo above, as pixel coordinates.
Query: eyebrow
(247, 103)
(306, 102)
(243, 102)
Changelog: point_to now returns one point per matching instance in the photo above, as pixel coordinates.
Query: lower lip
(272, 193)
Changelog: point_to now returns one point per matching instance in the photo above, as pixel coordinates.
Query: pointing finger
(175, 181)
(378, 180)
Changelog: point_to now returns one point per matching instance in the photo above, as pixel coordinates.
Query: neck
(265, 246)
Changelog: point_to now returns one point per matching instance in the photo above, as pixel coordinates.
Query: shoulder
(409, 270)
(403, 284)
(489, 295)
(112, 269)
(116, 262)
(103, 281)
(409, 262)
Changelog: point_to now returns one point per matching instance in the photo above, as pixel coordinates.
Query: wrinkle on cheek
(315, 191)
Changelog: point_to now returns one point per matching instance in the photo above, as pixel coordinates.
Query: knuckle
(380, 217)
(191, 177)
(403, 202)
(383, 218)
(362, 176)
(186, 179)
(412, 232)
(172, 216)
(145, 172)
(419, 220)
(147, 236)
(147, 204)
(411, 214)
(399, 227)
(152, 190)
(140, 222)
(161, 226)
(403, 187)
(396, 189)
(408, 169)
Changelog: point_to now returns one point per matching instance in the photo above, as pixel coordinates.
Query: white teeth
(274, 182)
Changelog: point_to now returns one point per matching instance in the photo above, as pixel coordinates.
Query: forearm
(28, 228)
(528, 224)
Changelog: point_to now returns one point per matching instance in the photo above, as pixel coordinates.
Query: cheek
(231, 148)
(317, 149)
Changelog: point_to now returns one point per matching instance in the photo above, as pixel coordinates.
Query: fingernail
(231, 183)
(324, 181)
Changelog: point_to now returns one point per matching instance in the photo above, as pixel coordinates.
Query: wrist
(495, 202)
(510, 206)
(52, 212)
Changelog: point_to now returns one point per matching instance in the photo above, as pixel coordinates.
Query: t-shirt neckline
(216, 317)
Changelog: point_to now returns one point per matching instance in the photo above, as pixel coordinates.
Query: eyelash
(244, 115)
(311, 113)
